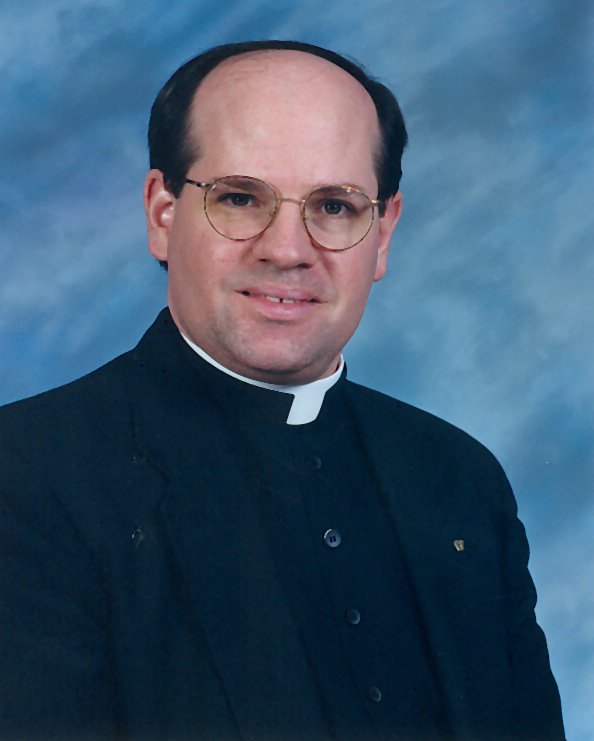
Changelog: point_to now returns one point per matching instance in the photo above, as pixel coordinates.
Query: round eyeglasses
(336, 217)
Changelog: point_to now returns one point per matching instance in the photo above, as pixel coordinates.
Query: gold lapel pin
(459, 545)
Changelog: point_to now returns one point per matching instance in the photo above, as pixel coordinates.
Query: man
(217, 535)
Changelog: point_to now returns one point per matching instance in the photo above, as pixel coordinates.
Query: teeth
(278, 300)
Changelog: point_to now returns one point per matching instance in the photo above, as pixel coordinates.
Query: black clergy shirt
(338, 560)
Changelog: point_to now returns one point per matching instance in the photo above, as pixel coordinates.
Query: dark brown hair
(170, 146)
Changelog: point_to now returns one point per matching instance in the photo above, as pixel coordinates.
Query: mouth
(303, 299)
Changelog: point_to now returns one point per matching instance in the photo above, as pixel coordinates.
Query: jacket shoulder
(82, 396)
(426, 439)
(51, 430)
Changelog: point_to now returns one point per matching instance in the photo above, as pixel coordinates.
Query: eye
(334, 208)
(335, 203)
(240, 200)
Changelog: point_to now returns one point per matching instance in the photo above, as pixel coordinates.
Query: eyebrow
(309, 189)
(340, 184)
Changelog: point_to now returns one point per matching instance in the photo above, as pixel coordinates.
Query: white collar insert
(309, 397)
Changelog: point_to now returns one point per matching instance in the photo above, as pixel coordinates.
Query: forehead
(290, 100)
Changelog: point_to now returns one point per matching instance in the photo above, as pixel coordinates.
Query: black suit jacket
(139, 598)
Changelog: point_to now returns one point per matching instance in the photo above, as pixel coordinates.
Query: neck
(308, 396)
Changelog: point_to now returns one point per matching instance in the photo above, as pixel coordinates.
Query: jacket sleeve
(54, 654)
(536, 707)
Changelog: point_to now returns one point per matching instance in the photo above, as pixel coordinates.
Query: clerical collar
(308, 397)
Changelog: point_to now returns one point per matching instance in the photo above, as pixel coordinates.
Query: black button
(352, 616)
(374, 694)
(314, 462)
(332, 538)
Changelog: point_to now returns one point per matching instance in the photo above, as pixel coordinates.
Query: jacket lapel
(418, 501)
(217, 537)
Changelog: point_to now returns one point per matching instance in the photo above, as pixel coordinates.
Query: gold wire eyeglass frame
(301, 202)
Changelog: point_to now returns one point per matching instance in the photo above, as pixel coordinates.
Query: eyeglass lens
(336, 217)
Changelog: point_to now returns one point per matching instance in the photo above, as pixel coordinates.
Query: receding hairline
(313, 60)
(172, 124)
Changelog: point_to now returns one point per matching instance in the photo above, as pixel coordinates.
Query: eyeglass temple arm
(197, 183)
(380, 204)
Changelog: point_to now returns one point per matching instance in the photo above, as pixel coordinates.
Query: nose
(285, 243)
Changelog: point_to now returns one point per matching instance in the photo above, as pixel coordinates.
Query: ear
(159, 207)
(387, 224)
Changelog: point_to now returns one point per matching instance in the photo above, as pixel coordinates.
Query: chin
(284, 362)
(290, 371)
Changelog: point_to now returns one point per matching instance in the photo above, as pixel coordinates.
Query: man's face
(297, 122)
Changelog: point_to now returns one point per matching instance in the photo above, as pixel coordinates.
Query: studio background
(486, 317)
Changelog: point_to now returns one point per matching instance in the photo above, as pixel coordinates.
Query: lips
(283, 297)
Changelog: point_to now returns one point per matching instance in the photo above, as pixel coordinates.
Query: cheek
(190, 249)
(357, 271)
(208, 271)
(356, 281)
